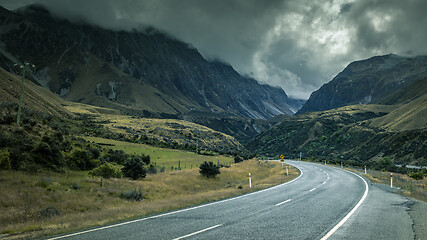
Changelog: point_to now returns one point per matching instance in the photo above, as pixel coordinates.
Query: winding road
(312, 206)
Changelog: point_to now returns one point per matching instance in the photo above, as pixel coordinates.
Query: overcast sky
(295, 44)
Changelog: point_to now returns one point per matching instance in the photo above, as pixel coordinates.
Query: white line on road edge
(333, 230)
(174, 212)
(283, 202)
(194, 233)
(311, 190)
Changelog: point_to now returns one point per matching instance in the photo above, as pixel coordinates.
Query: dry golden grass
(408, 186)
(25, 195)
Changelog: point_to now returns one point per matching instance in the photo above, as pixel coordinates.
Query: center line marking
(283, 202)
(324, 182)
(312, 189)
(194, 233)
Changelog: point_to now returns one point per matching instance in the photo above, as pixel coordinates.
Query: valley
(118, 124)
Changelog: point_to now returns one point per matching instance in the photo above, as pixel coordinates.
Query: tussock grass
(23, 197)
(407, 186)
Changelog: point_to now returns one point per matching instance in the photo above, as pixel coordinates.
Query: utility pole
(23, 67)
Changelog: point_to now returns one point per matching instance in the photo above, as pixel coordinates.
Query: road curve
(309, 207)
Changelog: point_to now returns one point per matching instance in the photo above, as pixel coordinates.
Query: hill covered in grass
(357, 134)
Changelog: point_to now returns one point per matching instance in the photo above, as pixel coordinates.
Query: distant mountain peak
(367, 81)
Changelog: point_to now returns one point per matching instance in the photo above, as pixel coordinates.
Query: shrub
(152, 169)
(134, 168)
(47, 154)
(209, 169)
(132, 195)
(417, 175)
(75, 186)
(106, 170)
(83, 160)
(4, 159)
(117, 156)
(238, 159)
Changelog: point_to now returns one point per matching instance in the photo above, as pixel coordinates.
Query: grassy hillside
(163, 157)
(35, 98)
(349, 134)
(411, 111)
(168, 133)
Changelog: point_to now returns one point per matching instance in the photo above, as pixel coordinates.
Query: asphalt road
(306, 208)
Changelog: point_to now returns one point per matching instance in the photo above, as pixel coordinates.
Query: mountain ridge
(367, 81)
(176, 75)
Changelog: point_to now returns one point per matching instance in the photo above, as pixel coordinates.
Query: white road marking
(194, 233)
(283, 202)
(333, 230)
(174, 212)
(324, 182)
(312, 189)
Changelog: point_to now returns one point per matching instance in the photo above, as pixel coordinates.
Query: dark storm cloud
(297, 45)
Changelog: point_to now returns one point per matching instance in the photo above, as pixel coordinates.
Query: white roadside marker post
(341, 164)
(365, 169)
(287, 173)
(250, 181)
(391, 180)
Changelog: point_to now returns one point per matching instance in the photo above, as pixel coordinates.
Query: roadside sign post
(391, 180)
(250, 181)
(282, 159)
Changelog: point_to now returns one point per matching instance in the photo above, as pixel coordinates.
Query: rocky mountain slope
(361, 134)
(142, 72)
(368, 81)
(35, 97)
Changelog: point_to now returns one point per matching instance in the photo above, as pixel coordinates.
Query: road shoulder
(418, 213)
(383, 215)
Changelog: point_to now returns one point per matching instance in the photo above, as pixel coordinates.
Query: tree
(134, 168)
(209, 169)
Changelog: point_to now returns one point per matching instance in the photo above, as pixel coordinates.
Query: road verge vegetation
(48, 203)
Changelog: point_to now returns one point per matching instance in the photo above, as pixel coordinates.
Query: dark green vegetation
(47, 142)
(209, 169)
(374, 135)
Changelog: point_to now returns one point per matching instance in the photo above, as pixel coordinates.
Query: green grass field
(163, 157)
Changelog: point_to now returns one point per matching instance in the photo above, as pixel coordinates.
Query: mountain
(362, 134)
(35, 97)
(139, 72)
(368, 81)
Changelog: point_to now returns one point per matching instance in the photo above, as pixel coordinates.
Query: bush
(209, 169)
(134, 168)
(417, 175)
(117, 156)
(83, 160)
(238, 159)
(132, 195)
(4, 159)
(106, 170)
